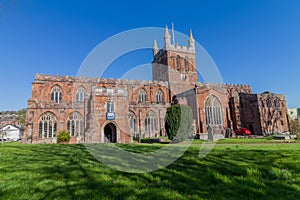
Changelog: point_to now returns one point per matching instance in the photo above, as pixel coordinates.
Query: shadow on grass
(70, 172)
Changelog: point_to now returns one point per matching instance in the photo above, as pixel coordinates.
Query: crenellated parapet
(235, 89)
(57, 78)
(208, 86)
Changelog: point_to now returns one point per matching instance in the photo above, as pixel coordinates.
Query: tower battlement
(175, 47)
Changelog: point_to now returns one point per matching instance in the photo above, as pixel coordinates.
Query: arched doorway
(110, 133)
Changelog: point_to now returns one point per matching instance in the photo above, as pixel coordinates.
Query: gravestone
(210, 135)
(228, 133)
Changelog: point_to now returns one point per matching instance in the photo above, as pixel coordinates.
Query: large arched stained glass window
(75, 124)
(213, 111)
(151, 122)
(47, 125)
(56, 94)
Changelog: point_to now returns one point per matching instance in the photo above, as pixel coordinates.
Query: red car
(242, 131)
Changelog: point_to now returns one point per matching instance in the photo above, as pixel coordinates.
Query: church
(95, 110)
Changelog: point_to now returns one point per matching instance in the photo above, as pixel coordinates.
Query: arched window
(103, 89)
(132, 122)
(110, 108)
(80, 95)
(75, 124)
(56, 94)
(269, 103)
(213, 111)
(186, 64)
(276, 103)
(159, 96)
(47, 125)
(142, 96)
(178, 63)
(150, 122)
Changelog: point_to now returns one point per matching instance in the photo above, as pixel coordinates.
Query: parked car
(242, 131)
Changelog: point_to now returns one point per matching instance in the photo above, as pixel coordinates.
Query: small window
(178, 63)
(110, 107)
(186, 65)
(121, 91)
(110, 90)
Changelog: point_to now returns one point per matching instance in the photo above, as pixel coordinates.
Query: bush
(178, 122)
(146, 140)
(63, 137)
(295, 127)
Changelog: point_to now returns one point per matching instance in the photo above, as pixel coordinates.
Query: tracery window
(132, 122)
(75, 124)
(213, 111)
(56, 94)
(151, 122)
(276, 103)
(269, 103)
(47, 125)
(80, 95)
(159, 96)
(142, 96)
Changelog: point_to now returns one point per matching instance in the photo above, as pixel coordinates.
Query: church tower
(175, 64)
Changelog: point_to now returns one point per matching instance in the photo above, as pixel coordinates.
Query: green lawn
(230, 171)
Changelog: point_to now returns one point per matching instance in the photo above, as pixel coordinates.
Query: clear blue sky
(253, 42)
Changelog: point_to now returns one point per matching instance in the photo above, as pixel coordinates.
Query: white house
(12, 132)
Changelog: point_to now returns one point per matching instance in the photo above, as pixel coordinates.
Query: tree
(295, 127)
(63, 137)
(21, 116)
(178, 122)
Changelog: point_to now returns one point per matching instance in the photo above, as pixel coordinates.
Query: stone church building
(112, 110)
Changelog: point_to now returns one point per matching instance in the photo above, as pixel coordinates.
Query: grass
(229, 171)
(249, 141)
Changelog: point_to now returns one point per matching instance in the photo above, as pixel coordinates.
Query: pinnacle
(155, 45)
(167, 31)
(191, 35)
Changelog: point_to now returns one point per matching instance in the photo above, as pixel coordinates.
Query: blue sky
(253, 42)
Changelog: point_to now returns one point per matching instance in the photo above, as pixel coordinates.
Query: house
(12, 132)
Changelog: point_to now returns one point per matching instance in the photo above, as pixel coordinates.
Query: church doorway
(110, 133)
(251, 128)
